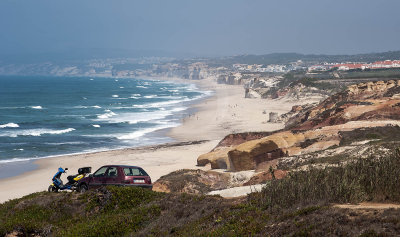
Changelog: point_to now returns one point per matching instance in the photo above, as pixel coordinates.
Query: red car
(120, 175)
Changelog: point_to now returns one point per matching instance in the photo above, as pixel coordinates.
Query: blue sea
(49, 116)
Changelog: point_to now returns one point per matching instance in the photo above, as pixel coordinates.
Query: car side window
(112, 172)
(100, 172)
(132, 172)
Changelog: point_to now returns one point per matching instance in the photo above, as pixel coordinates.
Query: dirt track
(369, 205)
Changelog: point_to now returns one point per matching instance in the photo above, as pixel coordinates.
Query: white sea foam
(63, 143)
(91, 79)
(115, 96)
(35, 132)
(171, 97)
(121, 87)
(17, 160)
(137, 117)
(107, 115)
(135, 96)
(150, 96)
(9, 125)
(191, 87)
(96, 125)
(37, 107)
(96, 107)
(160, 104)
(141, 133)
(141, 87)
(80, 107)
(12, 107)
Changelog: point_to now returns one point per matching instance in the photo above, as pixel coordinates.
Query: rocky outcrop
(238, 138)
(251, 94)
(218, 157)
(273, 117)
(316, 128)
(297, 110)
(230, 79)
(263, 177)
(191, 181)
(255, 154)
(364, 101)
(298, 91)
(199, 181)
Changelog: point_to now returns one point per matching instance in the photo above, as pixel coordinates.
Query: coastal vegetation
(301, 204)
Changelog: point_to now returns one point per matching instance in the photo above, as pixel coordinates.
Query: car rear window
(134, 172)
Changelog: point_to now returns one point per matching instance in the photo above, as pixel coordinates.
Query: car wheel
(83, 188)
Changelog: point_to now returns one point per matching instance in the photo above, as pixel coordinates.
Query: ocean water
(49, 116)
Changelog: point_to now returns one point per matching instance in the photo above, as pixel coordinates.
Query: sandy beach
(227, 111)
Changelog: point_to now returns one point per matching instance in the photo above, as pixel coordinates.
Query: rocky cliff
(313, 128)
(365, 101)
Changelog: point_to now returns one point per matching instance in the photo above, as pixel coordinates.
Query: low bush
(360, 180)
(299, 205)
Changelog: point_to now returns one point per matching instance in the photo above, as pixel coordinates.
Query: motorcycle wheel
(83, 188)
(52, 189)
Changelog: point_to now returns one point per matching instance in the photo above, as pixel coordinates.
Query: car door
(99, 177)
(112, 176)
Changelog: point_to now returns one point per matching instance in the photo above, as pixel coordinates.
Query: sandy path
(368, 205)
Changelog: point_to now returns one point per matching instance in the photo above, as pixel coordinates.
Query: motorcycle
(73, 180)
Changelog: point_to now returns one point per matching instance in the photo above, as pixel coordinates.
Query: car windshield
(134, 172)
(100, 172)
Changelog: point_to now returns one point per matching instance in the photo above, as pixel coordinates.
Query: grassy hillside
(298, 205)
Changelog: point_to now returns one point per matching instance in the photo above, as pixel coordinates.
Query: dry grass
(359, 180)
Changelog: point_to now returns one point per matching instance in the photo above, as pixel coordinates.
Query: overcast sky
(203, 27)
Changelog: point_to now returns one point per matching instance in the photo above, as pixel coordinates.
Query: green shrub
(360, 180)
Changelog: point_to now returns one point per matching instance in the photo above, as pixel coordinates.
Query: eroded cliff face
(218, 157)
(315, 128)
(366, 101)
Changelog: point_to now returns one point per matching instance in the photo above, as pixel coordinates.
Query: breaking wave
(141, 133)
(9, 125)
(107, 115)
(35, 132)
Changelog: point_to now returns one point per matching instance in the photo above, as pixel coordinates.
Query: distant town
(355, 65)
(229, 70)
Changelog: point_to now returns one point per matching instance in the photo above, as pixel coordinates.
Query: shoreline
(225, 111)
(28, 163)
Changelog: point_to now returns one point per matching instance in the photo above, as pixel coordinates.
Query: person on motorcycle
(57, 177)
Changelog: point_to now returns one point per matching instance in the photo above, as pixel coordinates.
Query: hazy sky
(205, 27)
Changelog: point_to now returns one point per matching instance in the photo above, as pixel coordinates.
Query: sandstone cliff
(315, 128)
